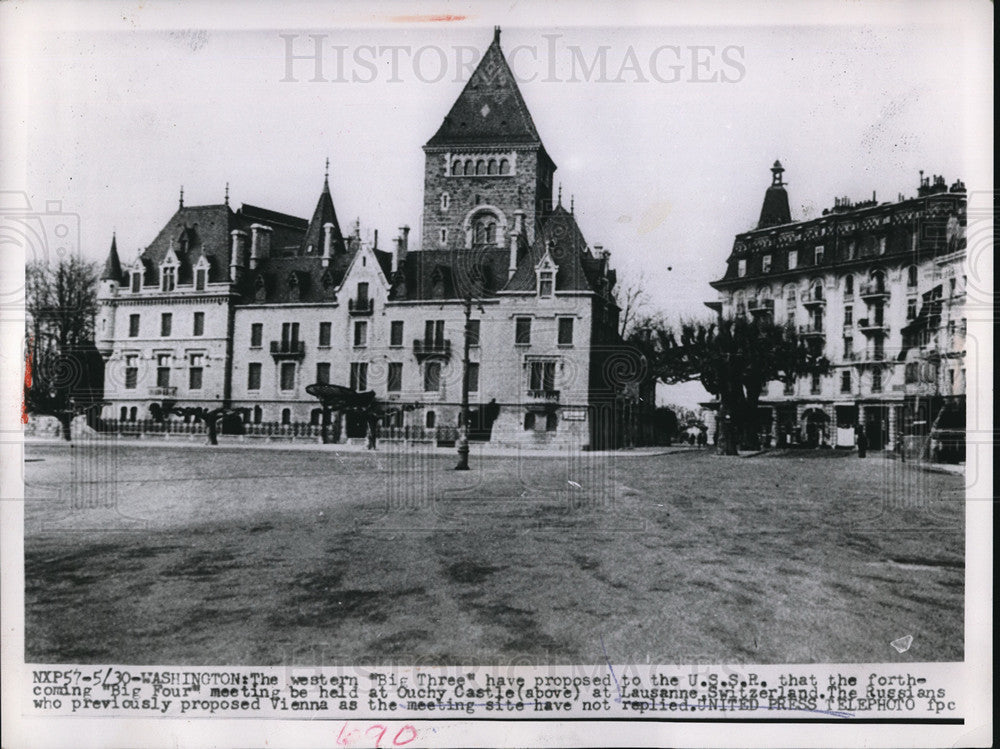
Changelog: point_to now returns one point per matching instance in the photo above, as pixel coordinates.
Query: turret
(104, 324)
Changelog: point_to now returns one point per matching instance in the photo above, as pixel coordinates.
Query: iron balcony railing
(425, 349)
(360, 306)
(288, 349)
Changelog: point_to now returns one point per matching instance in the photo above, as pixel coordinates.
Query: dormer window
(168, 278)
(260, 289)
(135, 281)
(546, 283)
(201, 274)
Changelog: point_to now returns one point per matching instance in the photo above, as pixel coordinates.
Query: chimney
(237, 258)
(402, 247)
(375, 241)
(327, 243)
(515, 237)
(260, 244)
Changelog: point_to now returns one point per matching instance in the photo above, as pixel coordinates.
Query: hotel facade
(879, 289)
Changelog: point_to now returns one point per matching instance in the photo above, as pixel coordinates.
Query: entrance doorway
(877, 426)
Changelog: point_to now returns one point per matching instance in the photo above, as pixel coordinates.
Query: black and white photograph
(497, 375)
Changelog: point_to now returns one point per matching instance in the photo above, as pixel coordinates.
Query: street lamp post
(463, 422)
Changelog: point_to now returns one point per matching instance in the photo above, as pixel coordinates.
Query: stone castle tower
(485, 162)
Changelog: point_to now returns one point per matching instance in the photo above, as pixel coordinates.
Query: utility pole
(463, 422)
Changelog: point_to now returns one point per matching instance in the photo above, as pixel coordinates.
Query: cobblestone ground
(241, 556)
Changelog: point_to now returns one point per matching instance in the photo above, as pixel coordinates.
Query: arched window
(491, 233)
(258, 414)
(456, 167)
(492, 168)
(132, 413)
(816, 291)
(124, 413)
(469, 167)
(431, 419)
(504, 166)
(911, 276)
(481, 167)
(878, 280)
(286, 416)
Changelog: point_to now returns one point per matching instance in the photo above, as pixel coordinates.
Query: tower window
(445, 201)
(504, 166)
(481, 167)
(470, 168)
(456, 168)
(492, 168)
(443, 237)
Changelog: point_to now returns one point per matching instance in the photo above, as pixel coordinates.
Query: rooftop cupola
(775, 210)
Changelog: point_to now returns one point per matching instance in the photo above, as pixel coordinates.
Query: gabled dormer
(168, 269)
(201, 271)
(545, 273)
(137, 275)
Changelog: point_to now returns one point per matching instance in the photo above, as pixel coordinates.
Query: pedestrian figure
(862, 442)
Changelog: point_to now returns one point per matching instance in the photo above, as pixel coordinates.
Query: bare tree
(66, 371)
(631, 299)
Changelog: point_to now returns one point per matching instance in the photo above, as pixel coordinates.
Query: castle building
(248, 307)
(879, 288)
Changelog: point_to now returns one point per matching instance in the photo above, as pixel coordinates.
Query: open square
(234, 555)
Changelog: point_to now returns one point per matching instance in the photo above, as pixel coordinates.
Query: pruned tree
(209, 417)
(67, 374)
(734, 359)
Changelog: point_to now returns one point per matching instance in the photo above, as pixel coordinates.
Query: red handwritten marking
(403, 736)
(27, 385)
(426, 19)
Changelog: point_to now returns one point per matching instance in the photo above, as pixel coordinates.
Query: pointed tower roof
(775, 210)
(490, 109)
(112, 266)
(324, 214)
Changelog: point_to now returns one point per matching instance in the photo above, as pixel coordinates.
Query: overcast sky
(665, 168)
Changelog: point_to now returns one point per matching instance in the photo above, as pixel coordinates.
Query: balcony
(871, 326)
(811, 331)
(359, 307)
(544, 396)
(440, 349)
(288, 349)
(873, 290)
(761, 306)
(168, 391)
(814, 300)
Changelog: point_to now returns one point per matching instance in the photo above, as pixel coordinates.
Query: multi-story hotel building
(248, 307)
(879, 288)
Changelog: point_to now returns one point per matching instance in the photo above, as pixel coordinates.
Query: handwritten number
(381, 733)
(397, 741)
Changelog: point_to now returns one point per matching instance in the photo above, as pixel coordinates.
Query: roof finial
(559, 202)
(326, 173)
(776, 172)
(181, 201)
(227, 193)
(572, 200)
(496, 34)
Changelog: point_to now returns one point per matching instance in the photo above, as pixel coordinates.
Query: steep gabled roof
(490, 109)
(578, 269)
(112, 266)
(442, 274)
(207, 228)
